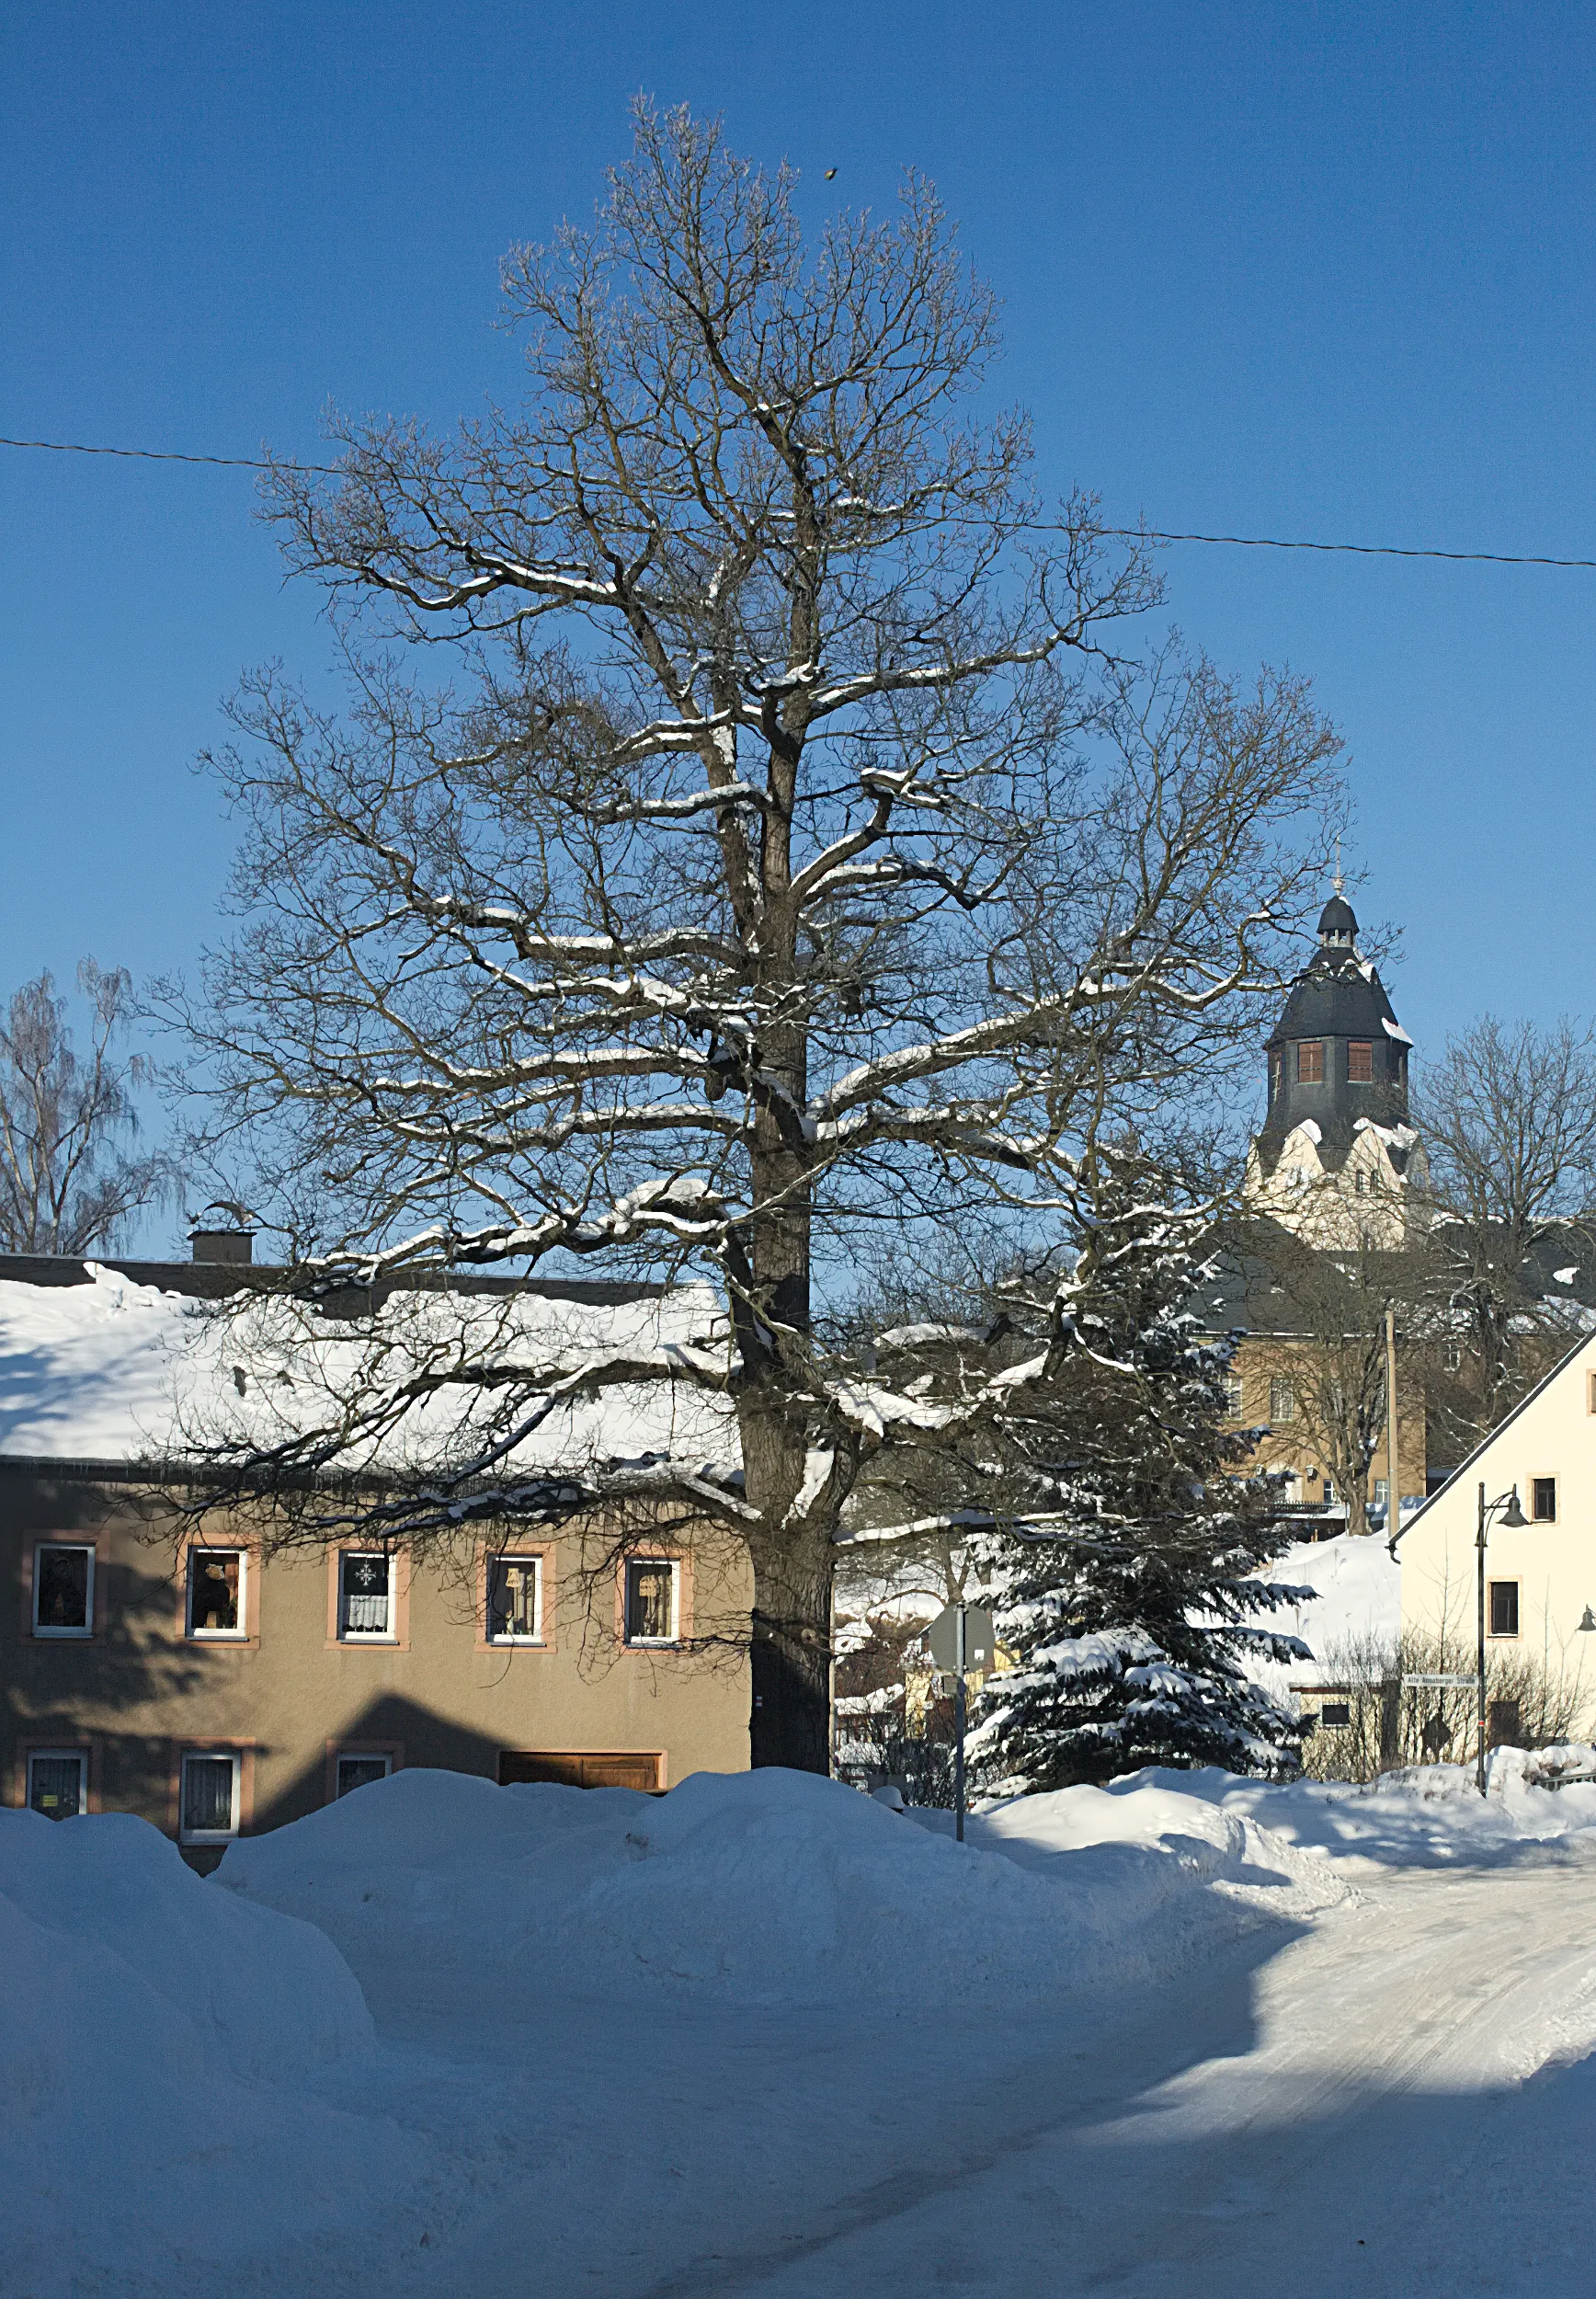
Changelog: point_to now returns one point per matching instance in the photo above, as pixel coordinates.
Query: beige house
(1540, 1579)
(162, 1667)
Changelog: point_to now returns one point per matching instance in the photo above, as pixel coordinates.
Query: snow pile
(1515, 1768)
(764, 1888)
(229, 1987)
(1428, 1815)
(156, 2037)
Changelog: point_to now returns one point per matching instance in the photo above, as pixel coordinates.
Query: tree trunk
(790, 1721)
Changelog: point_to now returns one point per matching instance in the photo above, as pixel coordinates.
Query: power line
(1137, 534)
(164, 454)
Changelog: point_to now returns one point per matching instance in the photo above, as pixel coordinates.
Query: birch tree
(747, 836)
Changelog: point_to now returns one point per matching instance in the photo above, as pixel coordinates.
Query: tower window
(1310, 1062)
(1360, 1063)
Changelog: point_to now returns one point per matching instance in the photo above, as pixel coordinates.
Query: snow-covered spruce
(1126, 1579)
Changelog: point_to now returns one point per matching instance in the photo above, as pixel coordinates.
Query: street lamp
(1515, 1520)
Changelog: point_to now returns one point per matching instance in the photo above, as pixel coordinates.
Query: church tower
(1337, 1159)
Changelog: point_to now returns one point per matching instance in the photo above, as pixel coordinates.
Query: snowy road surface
(1184, 2036)
(1341, 2105)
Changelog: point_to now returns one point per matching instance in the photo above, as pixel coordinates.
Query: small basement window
(1504, 1609)
(1543, 1500)
(215, 1592)
(1310, 1062)
(365, 1594)
(514, 1600)
(209, 1812)
(63, 1590)
(58, 1782)
(1360, 1062)
(651, 1600)
(359, 1771)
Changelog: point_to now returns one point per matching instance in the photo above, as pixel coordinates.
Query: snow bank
(1423, 1816)
(759, 1888)
(154, 2038)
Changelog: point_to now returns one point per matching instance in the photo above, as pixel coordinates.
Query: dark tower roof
(1338, 1001)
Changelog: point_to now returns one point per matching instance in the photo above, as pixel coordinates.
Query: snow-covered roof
(114, 1371)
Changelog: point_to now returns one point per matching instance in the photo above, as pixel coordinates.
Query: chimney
(234, 1246)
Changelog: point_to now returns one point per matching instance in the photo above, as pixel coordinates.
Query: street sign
(1470, 1680)
(942, 1636)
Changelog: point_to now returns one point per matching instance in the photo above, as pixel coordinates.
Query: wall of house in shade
(173, 1674)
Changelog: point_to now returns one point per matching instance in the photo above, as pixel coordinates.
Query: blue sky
(1291, 269)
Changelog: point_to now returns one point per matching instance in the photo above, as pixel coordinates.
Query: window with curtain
(513, 1594)
(365, 1594)
(215, 1587)
(63, 1589)
(209, 1806)
(56, 1782)
(651, 1601)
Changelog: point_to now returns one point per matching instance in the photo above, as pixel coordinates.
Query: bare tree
(1507, 1115)
(793, 863)
(69, 1176)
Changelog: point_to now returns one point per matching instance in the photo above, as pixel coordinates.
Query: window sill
(653, 1644)
(521, 1644)
(211, 1836)
(216, 1636)
(62, 1636)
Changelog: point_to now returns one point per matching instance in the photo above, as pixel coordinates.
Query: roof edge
(1468, 1460)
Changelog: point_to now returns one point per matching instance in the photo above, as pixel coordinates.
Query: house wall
(1260, 1359)
(1553, 1435)
(291, 1694)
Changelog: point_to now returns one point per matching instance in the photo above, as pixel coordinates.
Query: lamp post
(1515, 1520)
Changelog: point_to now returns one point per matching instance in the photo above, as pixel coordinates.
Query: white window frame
(1235, 1395)
(359, 1756)
(208, 1756)
(61, 1756)
(655, 1644)
(87, 1549)
(368, 1636)
(511, 1556)
(217, 1636)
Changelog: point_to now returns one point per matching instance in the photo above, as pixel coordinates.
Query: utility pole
(959, 1735)
(1479, 1687)
(1393, 1504)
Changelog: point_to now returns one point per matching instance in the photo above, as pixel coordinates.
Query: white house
(1541, 1577)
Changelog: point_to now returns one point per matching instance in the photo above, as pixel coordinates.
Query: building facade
(160, 1665)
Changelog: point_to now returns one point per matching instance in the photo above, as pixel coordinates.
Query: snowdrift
(765, 1888)
(154, 2038)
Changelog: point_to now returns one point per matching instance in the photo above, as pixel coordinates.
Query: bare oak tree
(69, 1172)
(789, 862)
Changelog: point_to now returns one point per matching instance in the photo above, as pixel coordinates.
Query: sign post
(959, 1634)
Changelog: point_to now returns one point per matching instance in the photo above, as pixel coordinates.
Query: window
(1382, 1492)
(1504, 1609)
(1281, 1400)
(360, 1772)
(63, 1590)
(1336, 1712)
(1360, 1182)
(1328, 1491)
(650, 1606)
(514, 1600)
(1310, 1062)
(365, 1594)
(215, 1592)
(209, 1812)
(1360, 1063)
(1233, 1396)
(1543, 1500)
(58, 1782)
(1274, 1075)
(1591, 1392)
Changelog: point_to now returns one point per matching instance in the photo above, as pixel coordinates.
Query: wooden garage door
(585, 1768)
